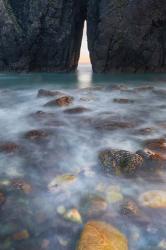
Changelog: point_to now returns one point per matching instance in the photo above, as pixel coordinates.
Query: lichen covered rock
(61, 101)
(120, 161)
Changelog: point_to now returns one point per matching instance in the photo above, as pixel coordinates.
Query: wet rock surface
(9, 147)
(62, 101)
(2, 199)
(46, 35)
(120, 161)
(76, 110)
(34, 135)
(48, 93)
(98, 234)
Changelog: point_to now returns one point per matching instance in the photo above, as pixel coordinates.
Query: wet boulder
(112, 124)
(123, 100)
(34, 135)
(40, 115)
(100, 235)
(61, 101)
(120, 162)
(129, 208)
(93, 205)
(2, 199)
(144, 88)
(9, 147)
(22, 185)
(21, 235)
(153, 199)
(157, 145)
(76, 110)
(48, 93)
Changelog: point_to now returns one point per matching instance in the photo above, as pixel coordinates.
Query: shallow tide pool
(51, 179)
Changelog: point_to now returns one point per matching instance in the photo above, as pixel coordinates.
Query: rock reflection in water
(54, 190)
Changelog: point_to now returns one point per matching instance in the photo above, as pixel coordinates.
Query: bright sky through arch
(84, 55)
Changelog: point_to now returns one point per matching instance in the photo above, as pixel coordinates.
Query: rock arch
(45, 35)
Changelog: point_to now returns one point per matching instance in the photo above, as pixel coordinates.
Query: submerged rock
(22, 185)
(130, 208)
(111, 124)
(123, 101)
(158, 145)
(76, 110)
(73, 215)
(42, 115)
(61, 181)
(62, 101)
(153, 199)
(35, 134)
(100, 235)
(48, 93)
(145, 131)
(120, 162)
(9, 147)
(144, 88)
(114, 194)
(22, 235)
(2, 199)
(93, 205)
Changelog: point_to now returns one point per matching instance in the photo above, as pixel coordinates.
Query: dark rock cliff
(45, 35)
(40, 35)
(128, 35)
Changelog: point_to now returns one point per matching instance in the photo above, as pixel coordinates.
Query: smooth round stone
(153, 199)
(94, 205)
(98, 235)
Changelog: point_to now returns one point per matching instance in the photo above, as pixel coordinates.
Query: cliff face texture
(127, 35)
(40, 35)
(45, 35)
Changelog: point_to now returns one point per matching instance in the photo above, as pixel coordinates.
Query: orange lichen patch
(22, 235)
(156, 149)
(157, 145)
(62, 101)
(156, 155)
(22, 185)
(153, 199)
(98, 235)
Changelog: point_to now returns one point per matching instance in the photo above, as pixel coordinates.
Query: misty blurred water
(72, 147)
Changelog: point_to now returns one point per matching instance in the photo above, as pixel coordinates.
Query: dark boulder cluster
(43, 35)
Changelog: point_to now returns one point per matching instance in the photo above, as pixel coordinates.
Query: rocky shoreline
(112, 202)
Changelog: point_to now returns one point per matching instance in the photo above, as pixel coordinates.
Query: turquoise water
(45, 178)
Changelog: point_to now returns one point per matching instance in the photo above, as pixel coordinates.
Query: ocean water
(52, 184)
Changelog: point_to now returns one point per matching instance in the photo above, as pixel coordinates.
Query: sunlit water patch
(51, 179)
